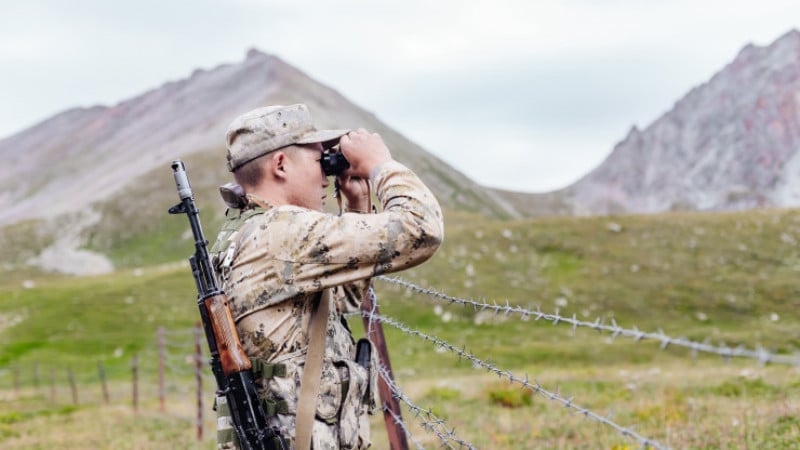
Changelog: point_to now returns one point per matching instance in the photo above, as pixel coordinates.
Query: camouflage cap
(270, 128)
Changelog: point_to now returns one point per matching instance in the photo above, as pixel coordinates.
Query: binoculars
(333, 164)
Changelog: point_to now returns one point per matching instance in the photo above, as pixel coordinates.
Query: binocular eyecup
(333, 164)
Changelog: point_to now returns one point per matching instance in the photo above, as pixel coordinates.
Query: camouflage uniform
(274, 264)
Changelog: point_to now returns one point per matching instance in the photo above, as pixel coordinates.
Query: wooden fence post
(374, 328)
(135, 373)
(161, 356)
(36, 375)
(16, 380)
(101, 371)
(52, 385)
(72, 386)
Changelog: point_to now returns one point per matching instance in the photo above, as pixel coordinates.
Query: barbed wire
(374, 298)
(430, 422)
(399, 421)
(535, 387)
(187, 346)
(186, 371)
(182, 332)
(762, 355)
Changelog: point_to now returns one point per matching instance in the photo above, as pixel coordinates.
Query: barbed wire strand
(762, 355)
(399, 421)
(177, 370)
(179, 331)
(536, 387)
(172, 345)
(430, 422)
(374, 298)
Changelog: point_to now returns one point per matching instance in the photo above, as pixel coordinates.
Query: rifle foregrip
(231, 354)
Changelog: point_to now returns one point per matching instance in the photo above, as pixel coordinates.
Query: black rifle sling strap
(312, 372)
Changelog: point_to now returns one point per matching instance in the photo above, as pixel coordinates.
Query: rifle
(229, 363)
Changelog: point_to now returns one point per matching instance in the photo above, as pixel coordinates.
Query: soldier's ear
(278, 164)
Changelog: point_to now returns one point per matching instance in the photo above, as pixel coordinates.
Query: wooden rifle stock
(231, 354)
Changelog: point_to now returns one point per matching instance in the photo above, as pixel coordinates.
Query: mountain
(84, 182)
(732, 143)
(85, 191)
(100, 150)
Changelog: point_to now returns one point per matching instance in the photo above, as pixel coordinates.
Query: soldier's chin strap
(312, 372)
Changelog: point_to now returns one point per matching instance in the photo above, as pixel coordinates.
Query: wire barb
(761, 355)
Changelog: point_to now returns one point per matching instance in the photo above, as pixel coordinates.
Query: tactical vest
(224, 249)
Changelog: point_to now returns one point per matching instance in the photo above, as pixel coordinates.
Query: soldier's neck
(270, 195)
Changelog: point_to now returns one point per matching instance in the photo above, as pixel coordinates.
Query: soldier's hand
(364, 151)
(355, 191)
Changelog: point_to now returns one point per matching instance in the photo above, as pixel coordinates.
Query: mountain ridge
(76, 178)
(97, 142)
(728, 144)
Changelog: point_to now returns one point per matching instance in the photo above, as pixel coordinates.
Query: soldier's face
(307, 182)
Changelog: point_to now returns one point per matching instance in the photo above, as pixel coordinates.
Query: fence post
(161, 356)
(36, 375)
(52, 385)
(16, 380)
(72, 386)
(198, 362)
(391, 406)
(135, 373)
(101, 371)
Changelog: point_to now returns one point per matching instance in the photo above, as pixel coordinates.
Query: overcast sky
(527, 95)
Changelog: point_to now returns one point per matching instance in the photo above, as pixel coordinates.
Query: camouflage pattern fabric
(275, 264)
(226, 436)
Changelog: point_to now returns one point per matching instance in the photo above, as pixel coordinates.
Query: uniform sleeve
(315, 250)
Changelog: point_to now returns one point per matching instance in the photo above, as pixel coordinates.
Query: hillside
(112, 181)
(698, 275)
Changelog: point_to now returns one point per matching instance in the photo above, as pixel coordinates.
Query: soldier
(278, 252)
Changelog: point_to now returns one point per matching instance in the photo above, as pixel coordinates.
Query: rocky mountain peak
(731, 143)
(254, 53)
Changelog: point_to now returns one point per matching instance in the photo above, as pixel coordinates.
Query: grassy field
(728, 278)
(706, 405)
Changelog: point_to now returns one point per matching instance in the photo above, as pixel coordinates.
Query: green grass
(16, 416)
(510, 396)
(136, 229)
(78, 320)
(727, 277)
(21, 242)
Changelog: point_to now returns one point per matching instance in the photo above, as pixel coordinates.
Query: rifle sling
(312, 372)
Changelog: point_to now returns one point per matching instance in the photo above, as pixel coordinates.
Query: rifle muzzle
(181, 180)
